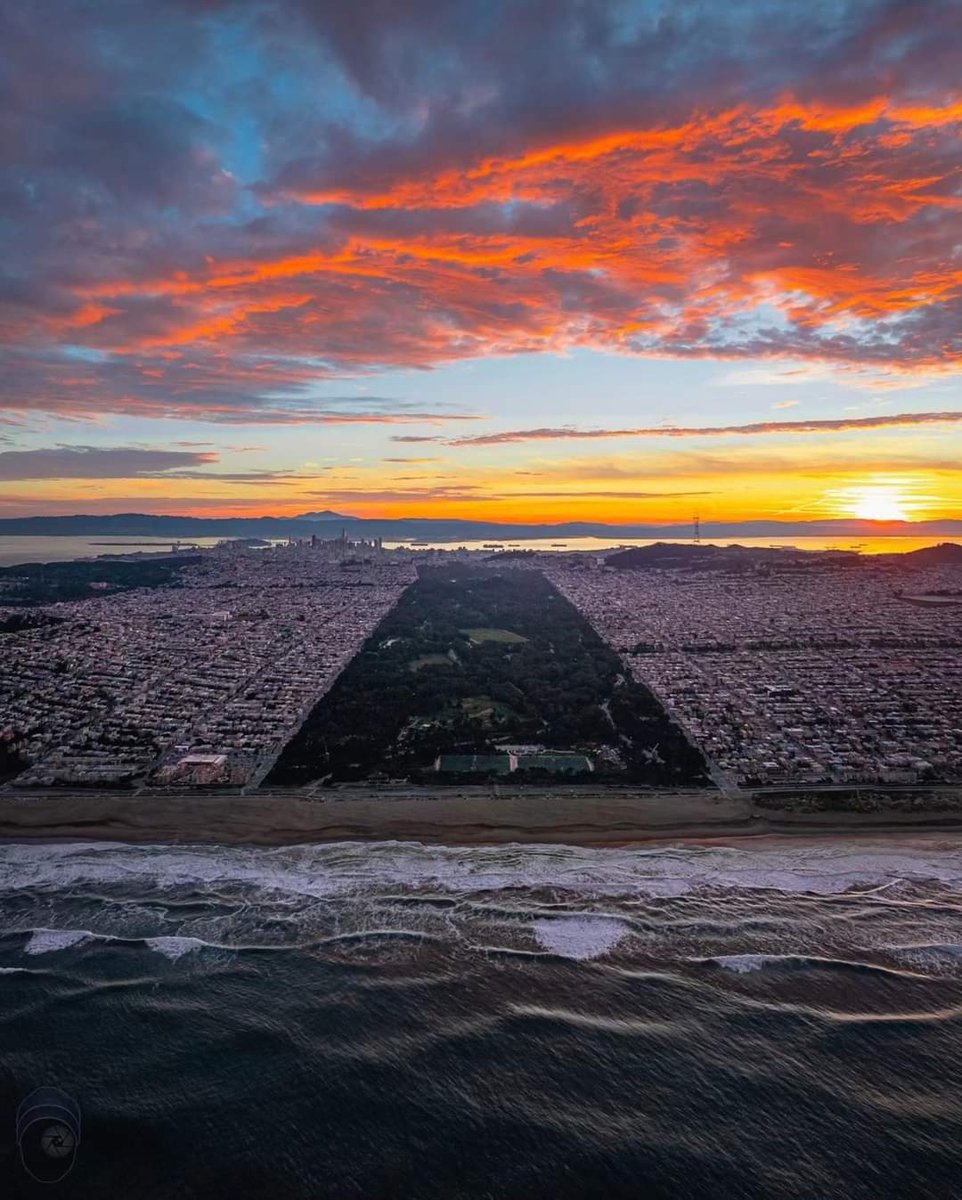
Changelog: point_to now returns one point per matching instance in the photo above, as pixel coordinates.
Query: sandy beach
(596, 819)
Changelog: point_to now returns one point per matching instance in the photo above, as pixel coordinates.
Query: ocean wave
(595, 1022)
(376, 935)
(947, 949)
(48, 941)
(580, 937)
(941, 957)
(174, 947)
(342, 869)
(744, 963)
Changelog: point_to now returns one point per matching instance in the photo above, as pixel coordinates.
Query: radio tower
(696, 529)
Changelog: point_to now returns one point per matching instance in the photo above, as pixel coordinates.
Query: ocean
(16, 549)
(395, 1020)
(596, 545)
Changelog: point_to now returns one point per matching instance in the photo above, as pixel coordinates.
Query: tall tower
(696, 529)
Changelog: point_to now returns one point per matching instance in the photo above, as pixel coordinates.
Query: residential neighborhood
(847, 673)
(196, 684)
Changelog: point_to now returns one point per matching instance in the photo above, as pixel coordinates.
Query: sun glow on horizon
(881, 503)
(882, 500)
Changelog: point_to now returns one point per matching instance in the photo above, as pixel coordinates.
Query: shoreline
(281, 820)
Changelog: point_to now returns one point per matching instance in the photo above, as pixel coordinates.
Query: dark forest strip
(476, 662)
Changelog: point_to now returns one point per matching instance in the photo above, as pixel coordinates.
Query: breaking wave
(334, 869)
(47, 941)
(579, 937)
(772, 909)
(742, 964)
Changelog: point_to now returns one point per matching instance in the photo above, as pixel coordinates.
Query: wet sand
(589, 819)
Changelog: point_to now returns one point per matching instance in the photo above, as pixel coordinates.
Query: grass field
(487, 634)
(485, 711)
(430, 660)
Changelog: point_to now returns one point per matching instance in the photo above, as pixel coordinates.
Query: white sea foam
(582, 936)
(174, 947)
(935, 956)
(948, 949)
(325, 871)
(743, 963)
(46, 941)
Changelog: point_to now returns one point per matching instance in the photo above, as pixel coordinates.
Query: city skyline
(516, 263)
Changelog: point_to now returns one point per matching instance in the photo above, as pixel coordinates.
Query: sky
(522, 260)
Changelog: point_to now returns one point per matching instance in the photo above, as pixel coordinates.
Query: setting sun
(907, 498)
(880, 503)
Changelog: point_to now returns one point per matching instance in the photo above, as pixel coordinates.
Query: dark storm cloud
(205, 386)
(95, 462)
(464, 79)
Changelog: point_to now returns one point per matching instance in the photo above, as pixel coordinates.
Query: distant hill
(326, 515)
(433, 529)
(946, 553)
(663, 555)
(668, 556)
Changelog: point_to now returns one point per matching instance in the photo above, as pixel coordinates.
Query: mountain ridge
(447, 529)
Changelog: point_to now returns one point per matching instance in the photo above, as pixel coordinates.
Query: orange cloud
(798, 229)
(663, 236)
(836, 425)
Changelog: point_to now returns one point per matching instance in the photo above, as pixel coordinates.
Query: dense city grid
(844, 674)
(200, 683)
(838, 672)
